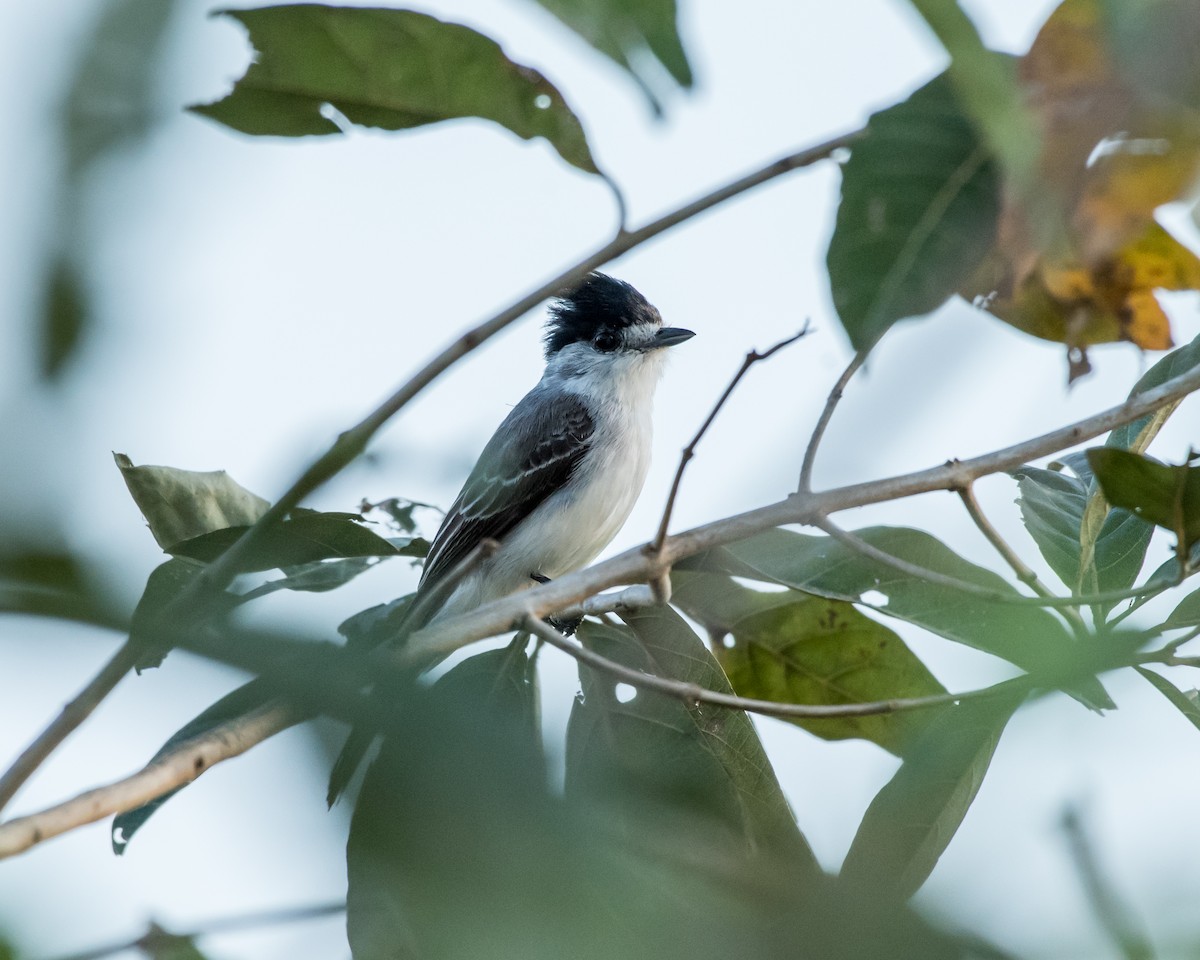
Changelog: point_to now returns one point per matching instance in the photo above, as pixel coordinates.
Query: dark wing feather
(533, 453)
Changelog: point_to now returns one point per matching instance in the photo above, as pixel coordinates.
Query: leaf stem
(689, 451)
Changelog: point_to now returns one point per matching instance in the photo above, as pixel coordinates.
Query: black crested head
(599, 304)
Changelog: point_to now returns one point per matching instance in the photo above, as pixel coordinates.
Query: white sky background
(259, 296)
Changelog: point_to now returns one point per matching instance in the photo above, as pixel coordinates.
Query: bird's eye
(605, 342)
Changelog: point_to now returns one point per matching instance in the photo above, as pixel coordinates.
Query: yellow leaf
(1109, 300)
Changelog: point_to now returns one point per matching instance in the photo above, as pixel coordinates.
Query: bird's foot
(564, 625)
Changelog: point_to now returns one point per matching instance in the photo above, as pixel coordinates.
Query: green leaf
(393, 69)
(182, 504)
(795, 648)
(300, 539)
(1026, 636)
(634, 33)
(1178, 699)
(243, 700)
(1058, 509)
(653, 752)
(1137, 434)
(323, 575)
(914, 817)
(1052, 504)
(1187, 614)
(164, 585)
(919, 209)
(1167, 496)
(376, 625)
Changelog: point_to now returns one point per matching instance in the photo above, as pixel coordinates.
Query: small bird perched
(561, 474)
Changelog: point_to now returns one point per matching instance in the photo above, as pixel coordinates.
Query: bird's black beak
(669, 336)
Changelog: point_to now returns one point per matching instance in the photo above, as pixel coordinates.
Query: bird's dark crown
(599, 303)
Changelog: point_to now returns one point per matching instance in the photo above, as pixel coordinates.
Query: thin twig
(633, 566)
(693, 693)
(156, 938)
(68, 719)
(1023, 571)
(689, 451)
(218, 574)
(181, 766)
(831, 402)
(637, 566)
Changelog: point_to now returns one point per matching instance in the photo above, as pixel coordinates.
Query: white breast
(574, 524)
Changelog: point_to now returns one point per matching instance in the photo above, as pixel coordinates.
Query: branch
(638, 566)
(690, 450)
(220, 573)
(831, 402)
(693, 693)
(527, 607)
(156, 941)
(68, 719)
(1023, 571)
(217, 575)
(179, 767)
(859, 545)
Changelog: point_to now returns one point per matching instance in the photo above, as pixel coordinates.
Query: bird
(561, 474)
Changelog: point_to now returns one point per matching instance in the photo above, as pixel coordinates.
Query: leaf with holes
(914, 817)
(394, 69)
(920, 198)
(1025, 635)
(791, 647)
(653, 752)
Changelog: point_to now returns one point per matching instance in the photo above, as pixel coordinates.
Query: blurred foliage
(1031, 183)
(110, 106)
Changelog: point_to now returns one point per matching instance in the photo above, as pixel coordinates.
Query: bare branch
(156, 939)
(689, 451)
(352, 442)
(68, 719)
(633, 566)
(638, 566)
(179, 767)
(693, 693)
(831, 402)
(1024, 572)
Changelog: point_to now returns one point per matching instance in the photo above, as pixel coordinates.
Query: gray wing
(534, 452)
